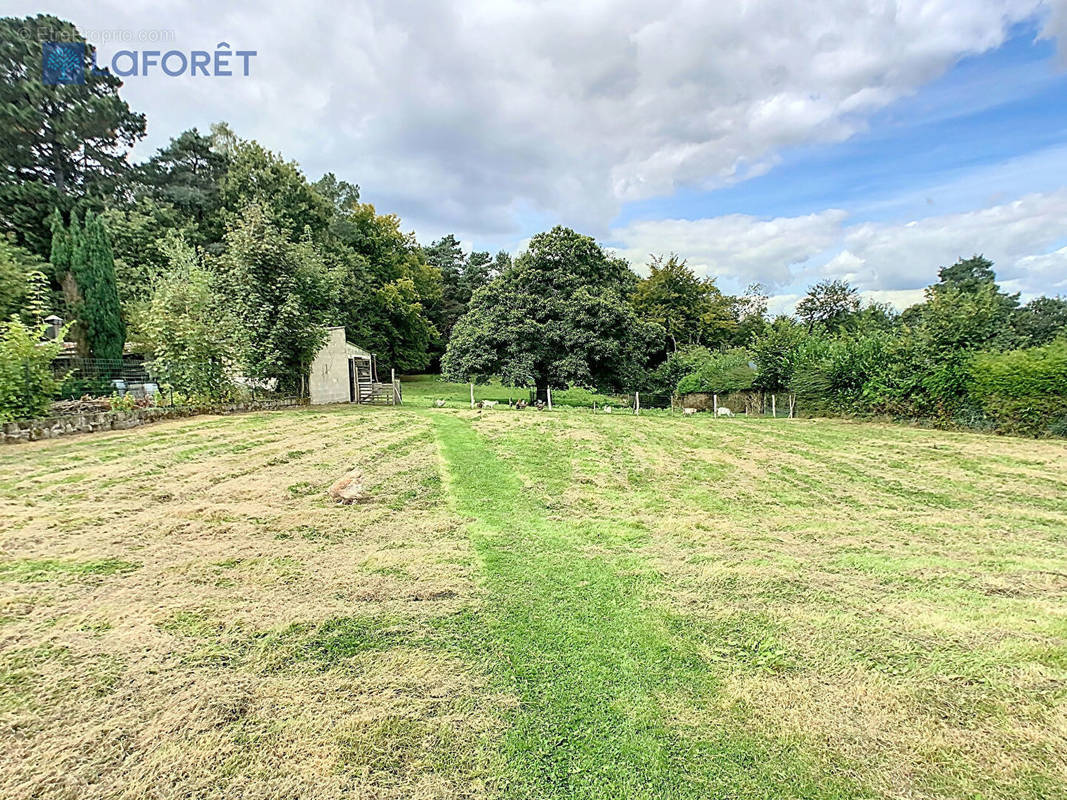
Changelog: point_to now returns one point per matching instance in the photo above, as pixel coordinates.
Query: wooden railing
(385, 394)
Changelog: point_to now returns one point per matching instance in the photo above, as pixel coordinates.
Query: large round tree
(559, 316)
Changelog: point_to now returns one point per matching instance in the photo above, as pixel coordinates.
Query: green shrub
(191, 339)
(1023, 391)
(664, 379)
(728, 371)
(845, 374)
(27, 383)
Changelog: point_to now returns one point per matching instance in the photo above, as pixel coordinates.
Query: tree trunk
(59, 175)
(540, 388)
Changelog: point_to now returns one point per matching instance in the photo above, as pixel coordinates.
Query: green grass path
(592, 663)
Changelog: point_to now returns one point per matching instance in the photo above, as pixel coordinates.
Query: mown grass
(421, 391)
(532, 605)
(590, 661)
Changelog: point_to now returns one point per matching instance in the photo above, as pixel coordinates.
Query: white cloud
(1040, 274)
(891, 262)
(738, 247)
(461, 116)
(1056, 27)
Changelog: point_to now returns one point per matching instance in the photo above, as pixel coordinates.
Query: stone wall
(31, 430)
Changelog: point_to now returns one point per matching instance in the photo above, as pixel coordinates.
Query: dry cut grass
(826, 609)
(184, 612)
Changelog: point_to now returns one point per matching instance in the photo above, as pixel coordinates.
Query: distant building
(345, 373)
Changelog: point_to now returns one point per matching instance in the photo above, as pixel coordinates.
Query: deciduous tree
(559, 316)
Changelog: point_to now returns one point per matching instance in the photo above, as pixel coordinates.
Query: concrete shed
(345, 373)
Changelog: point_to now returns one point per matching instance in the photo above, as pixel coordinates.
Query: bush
(1023, 391)
(27, 383)
(664, 379)
(845, 374)
(728, 371)
(191, 339)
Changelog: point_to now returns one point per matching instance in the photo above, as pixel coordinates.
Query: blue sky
(986, 112)
(991, 130)
(781, 141)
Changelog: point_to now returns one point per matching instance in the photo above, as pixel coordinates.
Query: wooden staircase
(364, 382)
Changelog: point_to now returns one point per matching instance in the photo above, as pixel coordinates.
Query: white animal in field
(723, 411)
(489, 403)
(607, 409)
(689, 411)
(439, 403)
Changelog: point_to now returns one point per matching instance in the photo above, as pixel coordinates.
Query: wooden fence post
(637, 402)
(715, 404)
(548, 390)
(472, 394)
(774, 409)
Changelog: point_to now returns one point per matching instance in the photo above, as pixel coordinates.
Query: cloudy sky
(779, 141)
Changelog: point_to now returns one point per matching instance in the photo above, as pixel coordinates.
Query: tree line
(214, 251)
(569, 313)
(217, 257)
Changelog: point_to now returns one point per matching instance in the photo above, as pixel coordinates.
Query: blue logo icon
(62, 62)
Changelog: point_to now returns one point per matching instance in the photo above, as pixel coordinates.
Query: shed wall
(328, 382)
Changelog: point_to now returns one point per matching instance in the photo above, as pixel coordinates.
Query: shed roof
(355, 351)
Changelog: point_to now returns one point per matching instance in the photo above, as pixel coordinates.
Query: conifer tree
(95, 295)
(60, 257)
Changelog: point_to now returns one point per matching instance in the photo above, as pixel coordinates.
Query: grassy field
(532, 605)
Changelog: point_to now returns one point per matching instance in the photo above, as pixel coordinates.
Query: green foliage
(58, 143)
(186, 176)
(461, 276)
(953, 324)
(828, 304)
(558, 317)
(256, 176)
(966, 275)
(1023, 391)
(281, 293)
(19, 284)
(38, 303)
(92, 268)
(775, 352)
(191, 338)
(137, 232)
(726, 371)
(342, 195)
(664, 379)
(1041, 320)
(691, 311)
(841, 373)
(27, 383)
(385, 287)
(122, 402)
(750, 312)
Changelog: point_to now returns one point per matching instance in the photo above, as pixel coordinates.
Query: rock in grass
(349, 489)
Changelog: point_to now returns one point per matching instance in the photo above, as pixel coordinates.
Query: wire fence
(741, 403)
(97, 377)
(82, 377)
